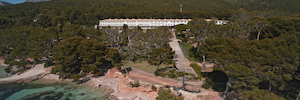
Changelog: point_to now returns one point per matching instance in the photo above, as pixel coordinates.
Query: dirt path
(140, 75)
(121, 87)
(36, 70)
(181, 62)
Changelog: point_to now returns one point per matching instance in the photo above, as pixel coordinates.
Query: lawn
(143, 65)
(186, 51)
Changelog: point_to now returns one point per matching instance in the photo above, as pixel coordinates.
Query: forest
(257, 53)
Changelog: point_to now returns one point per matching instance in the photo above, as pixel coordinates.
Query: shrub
(196, 68)
(53, 71)
(76, 77)
(216, 80)
(153, 88)
(136, 84)
(119, 67)
(165, 94)
(174, 65)
(171, 74)
(184, 39)
(98, 73)
(160, 73)
(206, 85)
(124, 56)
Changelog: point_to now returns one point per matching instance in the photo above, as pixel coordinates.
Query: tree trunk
(204, 62)
(33, 65)
(157, 67)
(80, 72)
(148, 57)
(270, 86)
(130, 55)
(259, 32)
(183, 85)
(298, 96)
(226, 90)
(198, 49)
(125, 70)
(258, 35)
(118, 46)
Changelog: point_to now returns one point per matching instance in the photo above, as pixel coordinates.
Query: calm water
(2, 71)
(51, 90)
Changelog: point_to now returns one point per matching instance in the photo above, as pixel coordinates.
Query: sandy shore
(1, 60)
(114, 80)
(36, 70)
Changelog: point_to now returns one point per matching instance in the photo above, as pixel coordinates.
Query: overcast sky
(13, 1)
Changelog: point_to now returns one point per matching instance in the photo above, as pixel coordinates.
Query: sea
(44, 89)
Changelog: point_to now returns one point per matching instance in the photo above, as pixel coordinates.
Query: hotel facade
(143, 23)
(150, 23)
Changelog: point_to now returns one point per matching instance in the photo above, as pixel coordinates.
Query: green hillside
(267, 5)
(88, 11)
(257, 53)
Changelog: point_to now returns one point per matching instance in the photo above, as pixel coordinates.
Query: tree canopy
(267, 58)
(77, 54)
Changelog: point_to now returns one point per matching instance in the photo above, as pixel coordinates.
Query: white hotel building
(143, 23)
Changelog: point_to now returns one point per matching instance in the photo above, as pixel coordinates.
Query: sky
(13, 1)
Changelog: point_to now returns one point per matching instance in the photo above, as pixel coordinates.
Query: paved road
(37, 69)
(181, 62)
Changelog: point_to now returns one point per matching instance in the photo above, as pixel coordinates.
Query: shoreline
(118, 84)
(35, 73)
(112, 81)
(1, 60)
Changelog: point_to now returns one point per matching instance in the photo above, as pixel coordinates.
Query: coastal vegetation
(165, 94)
(136, 84)
(197, 69)
(153, 88)
(256, 55)
(263, 54)
(143, 65)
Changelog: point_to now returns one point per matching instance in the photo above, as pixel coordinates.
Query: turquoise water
(2, 71)
(52, 90)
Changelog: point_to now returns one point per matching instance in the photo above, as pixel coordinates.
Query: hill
(267, 5)
(36, 0)
(87, 12)
(2, 3)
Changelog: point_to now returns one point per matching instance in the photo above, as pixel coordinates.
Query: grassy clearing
(143, 65)
(187, 47)
(196, 68)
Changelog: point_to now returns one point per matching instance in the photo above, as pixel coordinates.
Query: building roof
(146, 20)
(208, 20)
